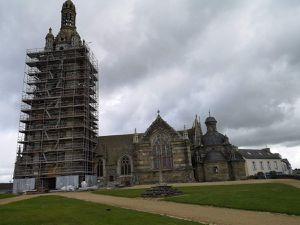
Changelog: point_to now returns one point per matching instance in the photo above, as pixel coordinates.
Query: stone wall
(239, 171)
(221, 175)
(168, 176)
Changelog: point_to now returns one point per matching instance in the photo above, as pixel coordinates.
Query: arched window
(125, 165)
(162, 153)
(100, 169)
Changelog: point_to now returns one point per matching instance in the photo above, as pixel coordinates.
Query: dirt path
(204, 214)
(292, 182)
(16, 199)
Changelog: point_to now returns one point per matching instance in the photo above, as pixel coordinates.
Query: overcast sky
(240, 59)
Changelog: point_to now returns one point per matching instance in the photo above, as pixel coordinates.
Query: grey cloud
(238, 58)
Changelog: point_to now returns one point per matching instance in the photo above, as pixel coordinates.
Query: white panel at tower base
(65, 181)
(23, 185)
(91, 180)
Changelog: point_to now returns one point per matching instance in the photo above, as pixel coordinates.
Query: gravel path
(204, 214)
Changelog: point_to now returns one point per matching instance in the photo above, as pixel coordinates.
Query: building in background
(264, 161)
(286, 167)
(58, 123)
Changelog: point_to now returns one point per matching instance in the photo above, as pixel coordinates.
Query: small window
(261, 165)
(269, 165)
(254, 165)
(215, 170)
(61, 48)
(276, 165)
(100, 169)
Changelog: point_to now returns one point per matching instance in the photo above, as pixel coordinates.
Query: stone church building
(162, 154)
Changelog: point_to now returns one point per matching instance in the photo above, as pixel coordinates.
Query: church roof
(112, 141)
(159, 124)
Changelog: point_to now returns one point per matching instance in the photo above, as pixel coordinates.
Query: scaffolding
(59, 115)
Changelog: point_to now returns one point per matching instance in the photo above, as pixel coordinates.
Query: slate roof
(286, 161)
(113, 141)
(159, 123)
(258, 154)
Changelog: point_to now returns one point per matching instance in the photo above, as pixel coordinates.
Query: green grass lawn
(258, 197)
(55, 210)
(6, 196)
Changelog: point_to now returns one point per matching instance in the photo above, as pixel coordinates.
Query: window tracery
(125, 166)
(162, 152)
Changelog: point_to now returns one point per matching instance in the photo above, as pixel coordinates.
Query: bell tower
(68, 15)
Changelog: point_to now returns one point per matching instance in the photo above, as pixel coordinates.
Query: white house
(262, 160)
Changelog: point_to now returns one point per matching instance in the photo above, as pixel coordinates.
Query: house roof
(286, 161)
(258, 154)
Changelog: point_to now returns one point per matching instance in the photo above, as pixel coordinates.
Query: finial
(209, 112)
(135, 130)
(158, 112)
(50, 30)
(184, 128)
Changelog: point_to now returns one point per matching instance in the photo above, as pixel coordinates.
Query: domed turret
(211, 123)
(210, 120)
(69, 5)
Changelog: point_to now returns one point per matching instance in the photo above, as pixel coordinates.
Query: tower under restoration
(59, 112)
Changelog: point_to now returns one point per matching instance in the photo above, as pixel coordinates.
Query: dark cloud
(240, 59)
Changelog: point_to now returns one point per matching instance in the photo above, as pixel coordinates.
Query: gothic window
(125, 166)
(162, 153)
(100, 169)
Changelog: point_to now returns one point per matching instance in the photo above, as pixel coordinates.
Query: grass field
(55, 210)
(278, 198)
(6, 196)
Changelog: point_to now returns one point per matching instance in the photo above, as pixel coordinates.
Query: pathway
(204, 214)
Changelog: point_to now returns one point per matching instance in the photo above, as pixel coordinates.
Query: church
(164, 155)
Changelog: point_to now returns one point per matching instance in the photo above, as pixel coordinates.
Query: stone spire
(185, 133)
(49, 40)
(135, 137)
(197, 131)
